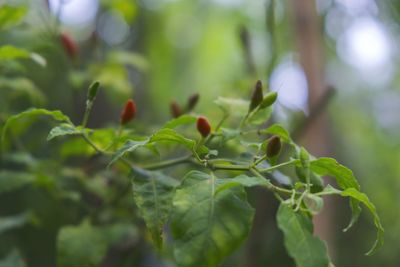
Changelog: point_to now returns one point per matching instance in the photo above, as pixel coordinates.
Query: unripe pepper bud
(268, 100)
(69, 45)
(304, 158)
(203, 126)
(92, 92)
(129, 112)
(274, 146)
(176, 110)
(256, 97)
(192, 101)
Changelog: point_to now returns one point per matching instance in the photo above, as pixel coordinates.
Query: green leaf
(207, 227)
(344, 178)
(130, 59)
(241, 180)
(317, 184)
(56, 115)
(63, 129)
(23, 159)
(234, 106)
(314, 203)
(12, 180)
(8, 52)
(279, 130)
(11, 15)
(355, 194)
(229, 134)
(306, 249)
(153, 193)
(164, 135)
(181, 120)
(169, 135)
(15, 221)
(22, 86)
(329, 166)
(259, 116)
(330, 190)
(11, 52)
(82, 245)
(13, 259)
(114, 79)
(129, 146)
(76, 147)
(121, 231)
(126, 8)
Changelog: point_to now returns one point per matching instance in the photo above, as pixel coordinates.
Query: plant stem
(256, 131)
(300, 200)
(101, 151)
(117, 137)
(229, 167)
(271, 186)
(242, 122)
(199, 143)
(89, 105)
(167, 163)
(334, 191)
(220, 123)
(226, 115)
(93, 145)
(259, 160)
(287, 163)
(213, 161)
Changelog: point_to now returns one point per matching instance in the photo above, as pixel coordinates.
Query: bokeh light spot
(74, 12)
(365, 44)
(289, 80)
(112, 28)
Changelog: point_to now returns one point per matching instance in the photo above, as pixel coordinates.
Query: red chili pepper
(203, 126)
(129, 112)
(69, 44)
(176, 110)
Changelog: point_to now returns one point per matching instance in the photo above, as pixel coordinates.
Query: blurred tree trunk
(315, 137)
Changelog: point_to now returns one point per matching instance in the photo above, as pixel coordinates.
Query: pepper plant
(189, 179)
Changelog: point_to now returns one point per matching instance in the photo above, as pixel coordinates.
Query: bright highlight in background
(112, 28)
(289, 80)
(75, 12)
(365, 44)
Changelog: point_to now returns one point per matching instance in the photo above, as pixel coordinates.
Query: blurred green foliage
(173, 48)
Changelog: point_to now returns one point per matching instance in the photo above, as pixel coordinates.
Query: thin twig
(167, 163)
(315, 111)
(272, 168)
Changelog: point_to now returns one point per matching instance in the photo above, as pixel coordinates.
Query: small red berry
(129, 112)
(70, 46)
(176, 110)
(203, 126)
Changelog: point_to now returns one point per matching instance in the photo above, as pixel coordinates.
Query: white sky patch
(75, 12)
(365, 45)
(289, 80)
